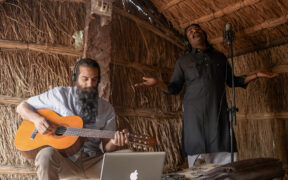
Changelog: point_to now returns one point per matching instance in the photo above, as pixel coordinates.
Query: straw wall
(48, 26)
(261, 127)
(138, 52)
(262, 124)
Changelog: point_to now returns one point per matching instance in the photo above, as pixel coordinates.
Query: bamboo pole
(76, 1)
(262, 46)
(265, 25)
(146, 112)
(16, 170)
(156, 113)
(50, 49)
(8, 100)
(169, 4)
(141, 67)
(227, 10)
(263, 116)
(276, 69)
(150, 27)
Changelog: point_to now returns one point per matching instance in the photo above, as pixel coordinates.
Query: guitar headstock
(141, 142)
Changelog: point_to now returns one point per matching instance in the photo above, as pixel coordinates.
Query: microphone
(228, 33)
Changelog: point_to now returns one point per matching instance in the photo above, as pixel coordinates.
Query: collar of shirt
(195, 50)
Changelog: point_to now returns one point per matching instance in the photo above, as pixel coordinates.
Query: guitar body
(67, 145)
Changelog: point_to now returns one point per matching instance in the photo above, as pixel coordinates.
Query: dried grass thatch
(259, 131)
(257, 23)
(41, 22)
(26, 73)
(135, 56)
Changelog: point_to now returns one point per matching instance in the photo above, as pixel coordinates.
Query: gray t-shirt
(64, 101)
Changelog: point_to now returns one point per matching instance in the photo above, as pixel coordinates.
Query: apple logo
(134, 175)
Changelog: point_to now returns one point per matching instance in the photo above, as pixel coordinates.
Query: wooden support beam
(265, 25)
(156, 113)
(169, 4)
(280, 69)
(262, 46)
(16, 170)
(8, 100)
(263, 116)
(49, 49)
(146, 112)
(141, 67)
(171, 38)
(76, 1)
(227, 10)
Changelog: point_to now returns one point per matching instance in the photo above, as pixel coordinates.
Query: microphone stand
(229, 37)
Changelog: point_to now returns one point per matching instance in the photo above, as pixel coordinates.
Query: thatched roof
(258, 23)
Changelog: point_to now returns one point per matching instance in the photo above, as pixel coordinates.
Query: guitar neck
(83, 132)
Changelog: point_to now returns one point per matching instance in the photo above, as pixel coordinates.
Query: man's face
(88, 78)
(87, 89)
(195, 36)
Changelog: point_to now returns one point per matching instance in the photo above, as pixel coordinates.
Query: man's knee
(45, 157)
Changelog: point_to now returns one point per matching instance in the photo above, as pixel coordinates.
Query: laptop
(132, 166)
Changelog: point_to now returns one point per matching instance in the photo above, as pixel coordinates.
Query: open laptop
(132, 166)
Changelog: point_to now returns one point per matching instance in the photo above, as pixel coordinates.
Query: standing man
(203, 71)
(81, 100)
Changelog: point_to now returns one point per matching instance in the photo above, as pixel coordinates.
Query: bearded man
(81, 100)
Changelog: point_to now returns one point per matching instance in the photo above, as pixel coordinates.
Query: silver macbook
(132, 166)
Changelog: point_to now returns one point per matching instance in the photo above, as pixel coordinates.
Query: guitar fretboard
(89, 133)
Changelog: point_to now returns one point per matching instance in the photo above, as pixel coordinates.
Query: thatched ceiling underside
(258, 23)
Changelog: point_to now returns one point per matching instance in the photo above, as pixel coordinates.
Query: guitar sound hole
(60, 130)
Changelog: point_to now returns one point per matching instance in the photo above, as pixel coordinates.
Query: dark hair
(85, 62)
(186, 38)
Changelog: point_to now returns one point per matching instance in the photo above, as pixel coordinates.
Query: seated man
(81, 100)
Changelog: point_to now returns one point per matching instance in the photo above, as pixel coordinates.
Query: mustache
(87, 94)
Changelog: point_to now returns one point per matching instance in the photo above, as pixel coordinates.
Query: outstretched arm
(260, 74)
(153, 82)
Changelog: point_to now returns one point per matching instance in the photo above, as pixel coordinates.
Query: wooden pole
(16, 170)
(267, 24)
(151, 28)
(49, 49)
(169, 4)
(262, 46)
(222, 12)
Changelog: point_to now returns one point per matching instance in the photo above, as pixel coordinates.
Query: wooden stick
(146, 112)
(169, 4)
(258, 27)
(141, 67)
(8, 100)
(150, 27)
(156, 113)
(16, 170)
(263, 116)
(262, 46)
(76, 1)
(50, 49)
(227, 10)
(275, 69)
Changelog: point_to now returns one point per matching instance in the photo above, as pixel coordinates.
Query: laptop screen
(132, 166)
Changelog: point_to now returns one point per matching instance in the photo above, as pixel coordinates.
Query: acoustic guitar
(68, 137)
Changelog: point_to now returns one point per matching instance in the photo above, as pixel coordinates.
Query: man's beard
(88, 100)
